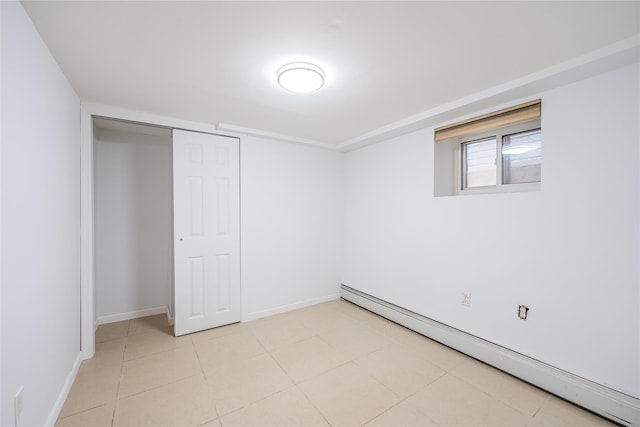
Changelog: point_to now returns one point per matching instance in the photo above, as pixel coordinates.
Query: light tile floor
(329, 364)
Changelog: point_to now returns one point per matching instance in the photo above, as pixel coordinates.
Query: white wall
(569, 252)
(40, 221)
(133, 222)
(291, 225)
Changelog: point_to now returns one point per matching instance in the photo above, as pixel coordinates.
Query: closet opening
(133, 220)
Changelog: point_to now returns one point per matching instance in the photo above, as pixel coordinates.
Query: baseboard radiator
(618, 407)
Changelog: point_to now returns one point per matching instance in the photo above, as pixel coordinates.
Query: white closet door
(206, 204)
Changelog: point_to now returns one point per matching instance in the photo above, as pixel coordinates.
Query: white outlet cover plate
(466, 299)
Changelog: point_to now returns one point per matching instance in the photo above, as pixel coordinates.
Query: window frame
(498, 134)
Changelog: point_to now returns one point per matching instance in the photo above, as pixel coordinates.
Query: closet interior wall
(133, 220)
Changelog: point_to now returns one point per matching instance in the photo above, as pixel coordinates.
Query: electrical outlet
(17, 405)
(466, 299)
(522, 312)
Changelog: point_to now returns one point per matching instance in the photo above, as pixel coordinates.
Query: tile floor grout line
(281, 368)
(204, 376)
(156, 387)
(154, 353)
(113, 414)
(83, 411)
(120, 377)
(496, 398)
(373, 377)
(199, 361)
(313, 404)
(385, 411)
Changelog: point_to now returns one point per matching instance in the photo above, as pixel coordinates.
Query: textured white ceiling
(215, 62)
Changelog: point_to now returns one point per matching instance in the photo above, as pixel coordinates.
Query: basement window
(497, 152)
(509, 160)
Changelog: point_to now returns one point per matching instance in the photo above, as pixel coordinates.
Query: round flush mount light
(300, 77)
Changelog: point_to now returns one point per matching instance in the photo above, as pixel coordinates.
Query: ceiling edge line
(438, 114)
(142, 117)
(227, 127)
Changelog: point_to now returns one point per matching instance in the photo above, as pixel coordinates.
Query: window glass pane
(521, 157)
(479, 159)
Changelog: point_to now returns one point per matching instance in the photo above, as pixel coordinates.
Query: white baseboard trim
(102, 320)
(62, 396)
(612, 404)
(289, 307)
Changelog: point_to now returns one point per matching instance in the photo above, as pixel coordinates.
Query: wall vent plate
(522, 312)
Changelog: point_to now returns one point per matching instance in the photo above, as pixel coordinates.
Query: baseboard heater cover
(614, 405)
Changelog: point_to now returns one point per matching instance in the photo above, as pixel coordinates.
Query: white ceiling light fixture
(300, 77)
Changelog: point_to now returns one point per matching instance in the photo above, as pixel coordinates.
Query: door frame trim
(88, 321)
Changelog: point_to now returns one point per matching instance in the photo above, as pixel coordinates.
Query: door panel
(206, 191)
